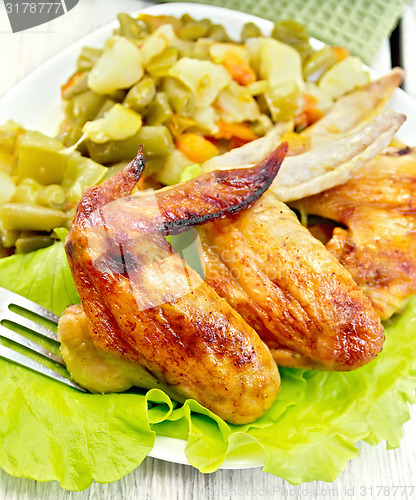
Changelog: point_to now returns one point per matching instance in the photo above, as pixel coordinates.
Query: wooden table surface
(156, 479)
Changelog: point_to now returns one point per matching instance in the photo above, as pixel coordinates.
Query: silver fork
(8, 299)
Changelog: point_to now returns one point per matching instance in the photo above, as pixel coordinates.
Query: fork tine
(29, 324)
(18, 300)
(23, 360)
(29, 344)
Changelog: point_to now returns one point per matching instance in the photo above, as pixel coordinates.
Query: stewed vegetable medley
(183, 90)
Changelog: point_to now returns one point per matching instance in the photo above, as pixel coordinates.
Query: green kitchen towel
(359, 25)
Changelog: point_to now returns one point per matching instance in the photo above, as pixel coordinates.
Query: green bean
(186, 18)
(160, 65)
(154, 164)
(283, 100)
(180, 97)
(180, 123)
(8, 237)
(257, 87)
(194, 30)
(27, 191)
(201, 49)
(293, 34)
(81, 173)
(26, 244)
(319, 62)
(114, 169)
(84, 107)
(41, 159)
(52, 196)
(118, 95)
(250, 30)
(88, 57)
(153, 22)
(78, 85)
(131, 28)
(108, 104)
(156, 141)
(31, 217)
(218, 33)
(159, 110)
(261, 125)
(72, 136)
(9, 133)
(141, 94)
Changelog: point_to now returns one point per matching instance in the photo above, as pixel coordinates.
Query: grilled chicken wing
(354, 109)
(378, 206)
(144, 304)
(328, 164)
(352, 133)
(284, 283)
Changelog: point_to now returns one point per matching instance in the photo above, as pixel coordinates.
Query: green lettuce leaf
(49, 431)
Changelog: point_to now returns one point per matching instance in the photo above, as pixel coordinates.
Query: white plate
(36, 103)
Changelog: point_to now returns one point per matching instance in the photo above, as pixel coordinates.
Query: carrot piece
(239, 68)
(309, 114)
(71, 81)
(341, 52)
(196, 147)
(313, 115)
(238, 130)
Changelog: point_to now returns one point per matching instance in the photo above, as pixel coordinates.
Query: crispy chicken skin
(295, 294)
(378, 207)
(143, 302)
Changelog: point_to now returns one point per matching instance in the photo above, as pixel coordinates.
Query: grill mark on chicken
(302, 302)
(378, 208)
(136, 305)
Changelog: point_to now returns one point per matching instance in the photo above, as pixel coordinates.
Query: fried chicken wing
(378, 246)
(295, 294)
(144, 304)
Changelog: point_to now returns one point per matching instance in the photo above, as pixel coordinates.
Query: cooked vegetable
(180, 96)
(160, 64)
(84, 107)
(29, 242)
(204, 78)
(77, 84)
(81, 173)
(117, 124)
(250, 30)
(88, 57)
(156, 43)
(156, 141)
(119, 67)
(176, 163)
(196, 148)
(141, 94)
(343, 77)
(52, 196)
(130, 27)
(319, 62)
(159, 111)
(41, 158)
(26, 191)
(31, 217)
(187, 75)
(7, 188)
(294, 34)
